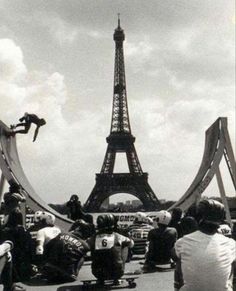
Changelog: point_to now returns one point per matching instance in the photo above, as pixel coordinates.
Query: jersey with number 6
(106, 251)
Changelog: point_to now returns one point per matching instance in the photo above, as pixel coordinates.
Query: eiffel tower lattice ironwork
(121, 140)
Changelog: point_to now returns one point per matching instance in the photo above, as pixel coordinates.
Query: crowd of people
(195, 244)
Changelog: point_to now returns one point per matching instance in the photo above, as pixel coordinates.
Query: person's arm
(40, 239)
(5, 247)
(22, 118)
(36, 133)
(125, 241)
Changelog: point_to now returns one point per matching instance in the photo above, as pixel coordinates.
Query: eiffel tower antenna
(118, 14)
(121, 140)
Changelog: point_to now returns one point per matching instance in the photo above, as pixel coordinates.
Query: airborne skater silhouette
(28, 120)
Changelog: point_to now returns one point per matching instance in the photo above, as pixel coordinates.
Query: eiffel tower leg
(109, 161)
(107, 185)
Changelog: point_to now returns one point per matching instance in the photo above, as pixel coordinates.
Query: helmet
(163, 217)
(37, 216)
(106, 221)
(140, 217)
(46, 217)
(82, 229)
(211, 210)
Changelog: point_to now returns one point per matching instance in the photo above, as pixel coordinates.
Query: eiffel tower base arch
(109, 184)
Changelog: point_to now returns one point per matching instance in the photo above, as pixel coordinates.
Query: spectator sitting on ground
(176, 216)
(161, 241)
(107, 247)
(187, 225)
(14, 231)
(206, 256)
(47, 232)
(65, 254)
(6, 268)
(138, 231)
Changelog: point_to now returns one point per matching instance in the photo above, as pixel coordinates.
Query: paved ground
(162, 281)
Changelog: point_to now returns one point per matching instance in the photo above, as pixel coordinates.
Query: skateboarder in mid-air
(28, 120)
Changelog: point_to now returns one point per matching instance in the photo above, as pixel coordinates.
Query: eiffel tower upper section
(120, 138)
(120, 116)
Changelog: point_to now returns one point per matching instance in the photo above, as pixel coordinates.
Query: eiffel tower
(121, 140)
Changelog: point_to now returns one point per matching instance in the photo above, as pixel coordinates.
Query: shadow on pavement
(92, 287)
(71, 288)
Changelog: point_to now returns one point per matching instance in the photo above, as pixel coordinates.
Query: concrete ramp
(13, 172)
(217, 145)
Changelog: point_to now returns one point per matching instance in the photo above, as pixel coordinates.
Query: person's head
(176, 214)
(82, 229)
(74, 197)
(106, 222)
(14, 188)
(42, 121)
(188, 224)
(12, 200)
(163, 218)
(26, 114)
(211, 213)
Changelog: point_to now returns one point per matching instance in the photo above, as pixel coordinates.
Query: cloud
(11, 60)
(179, 60)
(63, 32)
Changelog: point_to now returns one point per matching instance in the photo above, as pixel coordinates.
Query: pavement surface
(162, 281)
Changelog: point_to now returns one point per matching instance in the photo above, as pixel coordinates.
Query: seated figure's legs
(6, 274)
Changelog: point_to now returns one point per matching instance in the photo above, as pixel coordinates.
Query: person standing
(74, 207)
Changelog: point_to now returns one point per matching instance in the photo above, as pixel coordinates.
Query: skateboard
(87, 284)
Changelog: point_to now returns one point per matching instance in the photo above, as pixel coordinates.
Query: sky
(57, 61)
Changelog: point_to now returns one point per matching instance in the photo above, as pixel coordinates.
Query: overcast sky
(57, 60)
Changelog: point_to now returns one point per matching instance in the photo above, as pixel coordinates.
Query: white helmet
(48, 217)
(37, 216)
(140, 217)
(163, 217)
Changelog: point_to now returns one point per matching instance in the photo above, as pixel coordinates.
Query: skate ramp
(215, 144)
(13, 172)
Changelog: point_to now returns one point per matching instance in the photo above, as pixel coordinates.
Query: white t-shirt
(44, 235)
(206, 261)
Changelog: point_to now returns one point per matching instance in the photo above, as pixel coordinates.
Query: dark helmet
(82, 229)
(106, 221)
(211, 210)
(176, 214)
